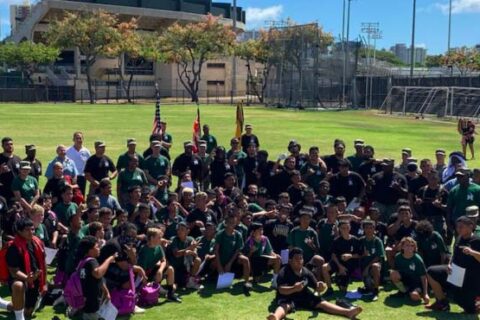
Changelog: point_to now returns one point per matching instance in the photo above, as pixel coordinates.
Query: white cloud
(461, 6)
(257, 16)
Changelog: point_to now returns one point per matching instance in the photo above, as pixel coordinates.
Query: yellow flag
(238, 131)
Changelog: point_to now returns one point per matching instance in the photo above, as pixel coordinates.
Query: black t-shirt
(343, 246)
(99, 167)
(316, 207)
(277, 233)
(54, 187)
(250, 167)
(415, 184)
(472, 276)
(15, 258)
(287, 277)
(186, 162)
(296, 195)
(91, 286)
(349, 187)
(6, 178)
(383, 190)
(332, 163)
(427, 209)
(197, 215)
(381, 230)
(246, 140)
(369, 168)
(218, 169)
(404, 231)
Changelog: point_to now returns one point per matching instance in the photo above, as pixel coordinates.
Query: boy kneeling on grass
(294, 281)
(261, 255)
(152, 259)
(228, 248)
(410, 274)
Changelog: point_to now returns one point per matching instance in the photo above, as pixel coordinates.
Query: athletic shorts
(31, 295)
(259, 265)
(306, 300)
(411, 283)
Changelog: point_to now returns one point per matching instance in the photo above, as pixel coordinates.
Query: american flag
(196, 130)
(157, 127)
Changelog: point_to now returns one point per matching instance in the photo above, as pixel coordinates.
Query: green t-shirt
(326, 235)
(156, 166)
(73, 240)
(298, 237)
(170, 223)
(254, 208)
(239, 227)
(477, 231)
(211, 142)
(461, 198)
(228, 245)
(178, 244)
(413, 267)
(122, 162)
(65, 211)
(42, 233)
(149, 257)
(432, 248)
(205, 246)
(373, 248)
(128, 179)
(27, 188)
(262, 247)
(314, 179)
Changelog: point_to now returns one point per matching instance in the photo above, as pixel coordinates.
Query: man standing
(35, 164)
(249, 138)
(156, 165)
(333, 160)
(69, 168)
(402, 167)
(123, 159)
(98, 166)
(357, 159)
(188, 161)
(79, 155)
(346, 183)
(9, 168)
(209, 139)
(440, 166)
(463, 195)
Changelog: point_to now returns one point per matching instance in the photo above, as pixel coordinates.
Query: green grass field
(48, 125)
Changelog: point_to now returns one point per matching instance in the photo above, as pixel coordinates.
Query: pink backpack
(73, 291)
(125, 299)
(149, 295)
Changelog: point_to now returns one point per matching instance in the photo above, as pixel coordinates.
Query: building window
(216, 65)
(216, 82)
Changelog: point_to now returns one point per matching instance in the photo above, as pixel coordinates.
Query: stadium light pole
(344, 71)
(234, 59)
(449, 25)
(412, 53)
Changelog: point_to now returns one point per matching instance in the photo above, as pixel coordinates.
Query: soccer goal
(438, 101)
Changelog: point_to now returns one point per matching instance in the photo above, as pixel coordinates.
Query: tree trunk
(89, 84)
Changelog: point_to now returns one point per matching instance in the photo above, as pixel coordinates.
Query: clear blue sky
(394, 16)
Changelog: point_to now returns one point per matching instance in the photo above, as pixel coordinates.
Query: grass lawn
(47, 125)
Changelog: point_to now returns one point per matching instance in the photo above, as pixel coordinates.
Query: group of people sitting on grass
(313, 220)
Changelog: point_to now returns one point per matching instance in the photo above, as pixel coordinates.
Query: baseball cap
(440, 151)
(188, 144)
(131, 141)
(30, 147)
(471, 211)
(99, 143)
(25, 165)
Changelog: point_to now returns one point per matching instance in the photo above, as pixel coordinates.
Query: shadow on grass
(446, 315)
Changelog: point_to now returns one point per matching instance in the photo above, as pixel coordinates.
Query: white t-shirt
(79, 157)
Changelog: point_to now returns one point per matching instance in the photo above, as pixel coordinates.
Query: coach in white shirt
(79, 154)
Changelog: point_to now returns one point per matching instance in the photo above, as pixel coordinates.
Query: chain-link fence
(307, 72)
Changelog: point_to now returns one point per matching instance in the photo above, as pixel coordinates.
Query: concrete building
(403, 53)
(152, 15)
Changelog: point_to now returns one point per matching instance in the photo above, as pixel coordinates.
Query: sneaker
(247, 286)
(344, 304)
(59, 300)
(375, 293)
(329, 292)
(193, 284)
(173, 297)
(138, 310)
(439, 306)
(71, 312)
(162, 291)
(363, 290)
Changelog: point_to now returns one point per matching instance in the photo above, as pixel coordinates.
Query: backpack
(149, 295)
(73, 291)
(125, 299)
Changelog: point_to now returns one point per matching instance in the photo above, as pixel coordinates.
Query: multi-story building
(152, 15)
(404, 53)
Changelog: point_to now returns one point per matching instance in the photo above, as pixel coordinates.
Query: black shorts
(464, 298)
(305, 300)
(259, 265)
(350, 267)
(31, 295)
(412, 283)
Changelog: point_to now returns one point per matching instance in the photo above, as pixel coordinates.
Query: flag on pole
(196, 131)
(157, 127)
(239, 120)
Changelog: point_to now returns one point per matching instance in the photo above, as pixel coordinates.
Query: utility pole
(371, 29)
(234, 60)
(412, 53)
(344, 72)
